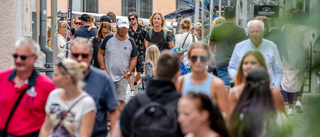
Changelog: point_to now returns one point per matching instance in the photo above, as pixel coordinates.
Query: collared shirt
(138, 37)
(270, 53)
(100, 86)
(30, 114)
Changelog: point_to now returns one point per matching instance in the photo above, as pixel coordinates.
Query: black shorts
(139, 65)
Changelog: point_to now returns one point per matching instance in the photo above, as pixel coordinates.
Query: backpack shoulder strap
(150, 34)
(165, 35)
(143, 99)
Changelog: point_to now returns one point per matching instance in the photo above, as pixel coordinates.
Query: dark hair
(229, 12)
(167, 60)
(216, 120)
(73, 30)
(112, 16)
(257, 54)
(132, 14)
(255, 106)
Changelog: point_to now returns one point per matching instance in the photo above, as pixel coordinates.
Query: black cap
(84, 17)
(105, 18)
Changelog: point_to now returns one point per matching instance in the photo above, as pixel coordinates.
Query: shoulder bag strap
(165, 35)
(4, 132)
(65, 114)
(184, 40)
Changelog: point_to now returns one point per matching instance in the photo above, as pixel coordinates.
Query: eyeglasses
(131, 19)
(23, 57)
(203, 59)
(78, 23)
(76, 55)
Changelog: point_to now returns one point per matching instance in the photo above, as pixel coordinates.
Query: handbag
(65, 114)
(4, 131)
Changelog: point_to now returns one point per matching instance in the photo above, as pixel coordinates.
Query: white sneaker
(299, 107)
(136, 88)
(290, 111)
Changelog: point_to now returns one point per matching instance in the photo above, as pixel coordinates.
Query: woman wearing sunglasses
(200, 80)
(70, 110)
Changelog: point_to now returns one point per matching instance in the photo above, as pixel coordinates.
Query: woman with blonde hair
(159, 35)
(70, 110)
(185, 39)
(212, 65)
(152, 55)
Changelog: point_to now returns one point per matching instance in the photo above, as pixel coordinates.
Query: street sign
(266, 10)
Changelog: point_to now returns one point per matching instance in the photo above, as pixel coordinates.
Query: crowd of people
(179, 96)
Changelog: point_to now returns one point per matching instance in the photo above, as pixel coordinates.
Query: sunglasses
(78, 23)
(131, 19)
(63, 67)
(76, 55)
(23, 57)
(203, 59)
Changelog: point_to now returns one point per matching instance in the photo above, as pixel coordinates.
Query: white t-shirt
(56, 107)
(179, 39)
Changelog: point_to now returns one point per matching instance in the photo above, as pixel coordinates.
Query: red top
(30, 113)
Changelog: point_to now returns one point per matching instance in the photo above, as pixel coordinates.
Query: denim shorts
(222, 73)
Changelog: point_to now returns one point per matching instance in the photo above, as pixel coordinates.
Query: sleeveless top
(203, 88)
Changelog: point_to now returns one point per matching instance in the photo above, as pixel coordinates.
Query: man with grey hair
(268, 49)
(23, 92)
(99, 85)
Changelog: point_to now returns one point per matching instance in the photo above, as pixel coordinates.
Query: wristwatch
(129, 73)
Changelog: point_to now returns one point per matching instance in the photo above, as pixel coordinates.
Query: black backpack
(155, 120)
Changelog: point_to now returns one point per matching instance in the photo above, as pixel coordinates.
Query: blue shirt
(101, 88)
(83, 32)
(183, 68)
(270, 53)
(204, 88)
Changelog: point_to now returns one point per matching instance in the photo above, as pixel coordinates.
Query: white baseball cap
(123, 23)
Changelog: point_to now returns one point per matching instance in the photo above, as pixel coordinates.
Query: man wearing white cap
(117, 57)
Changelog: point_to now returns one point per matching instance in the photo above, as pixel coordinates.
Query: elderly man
(118, 57)
(99, 86)
(23, 92)
(266, 47)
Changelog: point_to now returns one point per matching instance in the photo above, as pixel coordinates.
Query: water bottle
(318, 80)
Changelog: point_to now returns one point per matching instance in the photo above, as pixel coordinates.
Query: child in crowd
(92, 23)
(152, 55)
(180, 51)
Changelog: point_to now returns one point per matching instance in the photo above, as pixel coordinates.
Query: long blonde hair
(152, 55)
(218, 21)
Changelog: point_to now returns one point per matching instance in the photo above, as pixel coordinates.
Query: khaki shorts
(121, 88)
